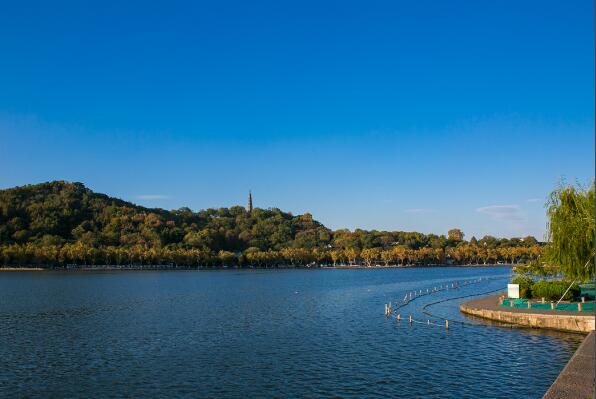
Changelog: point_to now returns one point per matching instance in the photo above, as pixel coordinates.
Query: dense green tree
(571, 231)
(61, 223)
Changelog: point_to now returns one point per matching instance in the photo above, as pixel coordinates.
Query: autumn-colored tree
(455, 235)
(60, 223)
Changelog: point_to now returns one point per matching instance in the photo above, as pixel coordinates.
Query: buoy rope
(454, 285)
(466, 323)
(443, 287)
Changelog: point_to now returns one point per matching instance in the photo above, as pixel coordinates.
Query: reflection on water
(285, 333)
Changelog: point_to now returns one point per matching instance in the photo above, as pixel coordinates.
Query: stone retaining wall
(574, 323)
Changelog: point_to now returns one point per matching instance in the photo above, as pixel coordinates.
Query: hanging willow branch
(571, 231)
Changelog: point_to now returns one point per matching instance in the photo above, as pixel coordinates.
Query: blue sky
(395, 115)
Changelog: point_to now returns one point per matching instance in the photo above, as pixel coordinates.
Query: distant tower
(249, 202)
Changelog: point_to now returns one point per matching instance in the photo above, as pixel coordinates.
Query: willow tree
(571, 231)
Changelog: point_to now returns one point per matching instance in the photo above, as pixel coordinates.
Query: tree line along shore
(81, 255)
(59, 223)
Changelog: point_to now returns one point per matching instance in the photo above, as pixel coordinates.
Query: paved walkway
(577, 378)
(492, 303)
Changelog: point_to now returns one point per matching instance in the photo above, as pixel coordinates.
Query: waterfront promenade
(489, 308)
(577, 378)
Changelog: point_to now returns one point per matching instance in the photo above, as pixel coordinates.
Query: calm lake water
(262, 333)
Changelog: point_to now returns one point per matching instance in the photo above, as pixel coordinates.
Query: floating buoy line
(465, 323)
(415, 294)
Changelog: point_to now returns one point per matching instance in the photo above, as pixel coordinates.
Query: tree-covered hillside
(61, 223)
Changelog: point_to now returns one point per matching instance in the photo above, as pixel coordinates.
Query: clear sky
(400, 115)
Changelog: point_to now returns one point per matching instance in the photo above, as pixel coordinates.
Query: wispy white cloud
(533, 200)
(419, 210)
(504, 213)
(151, 197)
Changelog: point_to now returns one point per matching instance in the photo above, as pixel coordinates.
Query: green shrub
(525, 285)
(553, 290)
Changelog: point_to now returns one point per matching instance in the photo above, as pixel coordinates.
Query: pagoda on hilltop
(249, 207)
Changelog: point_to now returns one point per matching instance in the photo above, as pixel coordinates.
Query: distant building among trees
(61, 223)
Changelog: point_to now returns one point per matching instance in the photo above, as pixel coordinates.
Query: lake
(263, 333)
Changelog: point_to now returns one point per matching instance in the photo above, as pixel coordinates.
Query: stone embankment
(576, 381)
(488, 308)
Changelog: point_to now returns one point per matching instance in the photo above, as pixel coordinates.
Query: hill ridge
(59, 222)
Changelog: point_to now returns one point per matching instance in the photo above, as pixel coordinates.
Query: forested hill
(52, 213)
(58, 223)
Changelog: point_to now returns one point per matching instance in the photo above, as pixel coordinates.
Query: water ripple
(237, 334)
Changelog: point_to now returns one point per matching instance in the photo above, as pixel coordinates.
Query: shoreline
(22, 269)
(202, 268)
(488, 308)
(413, 266)
(576, 379)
